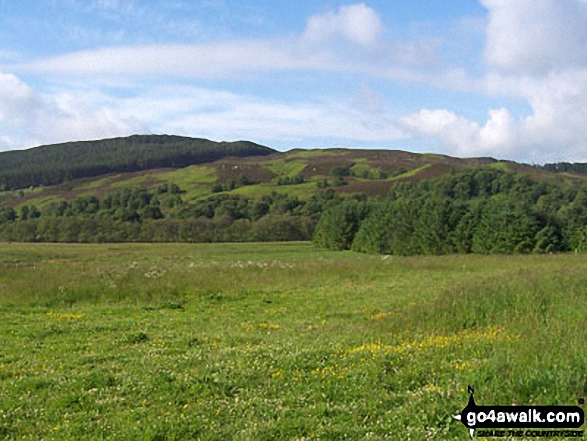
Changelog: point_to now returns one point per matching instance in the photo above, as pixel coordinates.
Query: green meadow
(279, 341)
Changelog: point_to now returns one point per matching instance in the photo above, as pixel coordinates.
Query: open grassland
(279, 341)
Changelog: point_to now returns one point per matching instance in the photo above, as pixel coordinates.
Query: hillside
(54, 164)
(300, 173)
(442, 204)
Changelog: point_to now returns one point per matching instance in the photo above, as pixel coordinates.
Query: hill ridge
(55, 163)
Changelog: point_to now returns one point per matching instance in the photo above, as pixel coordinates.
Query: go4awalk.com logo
(521, 421)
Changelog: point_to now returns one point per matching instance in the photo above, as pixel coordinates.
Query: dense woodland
(477, 211)
(482, 210)
(160, 215)
(54, 164)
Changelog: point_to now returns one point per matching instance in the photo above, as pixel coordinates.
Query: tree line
(161, 215)
(482, 210)
(476, 211)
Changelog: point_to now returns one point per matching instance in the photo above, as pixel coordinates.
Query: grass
(40, 202)
(278, 341)
(97, 183)
(195, 174)
(302, 191)
(284, 168)
(410, 173)
(361, 167)
(135, 181)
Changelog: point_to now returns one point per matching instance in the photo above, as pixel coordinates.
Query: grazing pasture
(279, 341)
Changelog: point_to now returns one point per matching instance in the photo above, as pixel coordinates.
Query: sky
(467, 78)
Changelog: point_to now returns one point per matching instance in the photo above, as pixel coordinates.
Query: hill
(249, 171)
(54, 164)
(337, 193)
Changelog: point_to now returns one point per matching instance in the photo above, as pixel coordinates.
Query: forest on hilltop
(55, 164)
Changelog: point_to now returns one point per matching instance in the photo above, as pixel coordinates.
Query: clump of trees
(296, 180)
(481, 211)
(160, 215)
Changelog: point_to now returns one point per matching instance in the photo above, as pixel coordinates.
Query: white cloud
(369, 101)
(213, 60)
(221, 115)
(356, 23)
(535, 51)
(17, 100)
(536, 36)
(455, 133)
(345, 41)
(29, 118)
(554, 130)
(192, 111)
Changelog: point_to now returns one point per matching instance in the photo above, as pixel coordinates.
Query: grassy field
(279, 341)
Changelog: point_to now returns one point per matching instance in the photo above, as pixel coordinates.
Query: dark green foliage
(140, 215)
(7, 215)
(168, 187)
(54, 164)
(340, 172)
(374, 233)
(29, 212)
(505, 227)
(338, 225)
(483, 210)
(390, 229)
(291, 181)
(243, 180)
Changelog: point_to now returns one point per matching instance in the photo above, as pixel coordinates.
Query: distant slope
(296, 173)
(54, 164)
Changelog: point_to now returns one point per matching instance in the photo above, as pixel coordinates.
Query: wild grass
(278, 341)
(284, 168)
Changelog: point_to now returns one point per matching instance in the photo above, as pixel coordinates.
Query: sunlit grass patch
(278, 341)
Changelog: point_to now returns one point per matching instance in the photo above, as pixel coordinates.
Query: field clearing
(279, 340)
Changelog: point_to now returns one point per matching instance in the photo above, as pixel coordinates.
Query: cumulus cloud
(554, 129)
(536, 36)
(462, 137)
(17, 100)
(28, 118)
(534, 51)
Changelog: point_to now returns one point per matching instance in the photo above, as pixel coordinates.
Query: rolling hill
(54, 164)
(167, 188)
(49, 174)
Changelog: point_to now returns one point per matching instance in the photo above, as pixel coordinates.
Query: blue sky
(464, 78)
